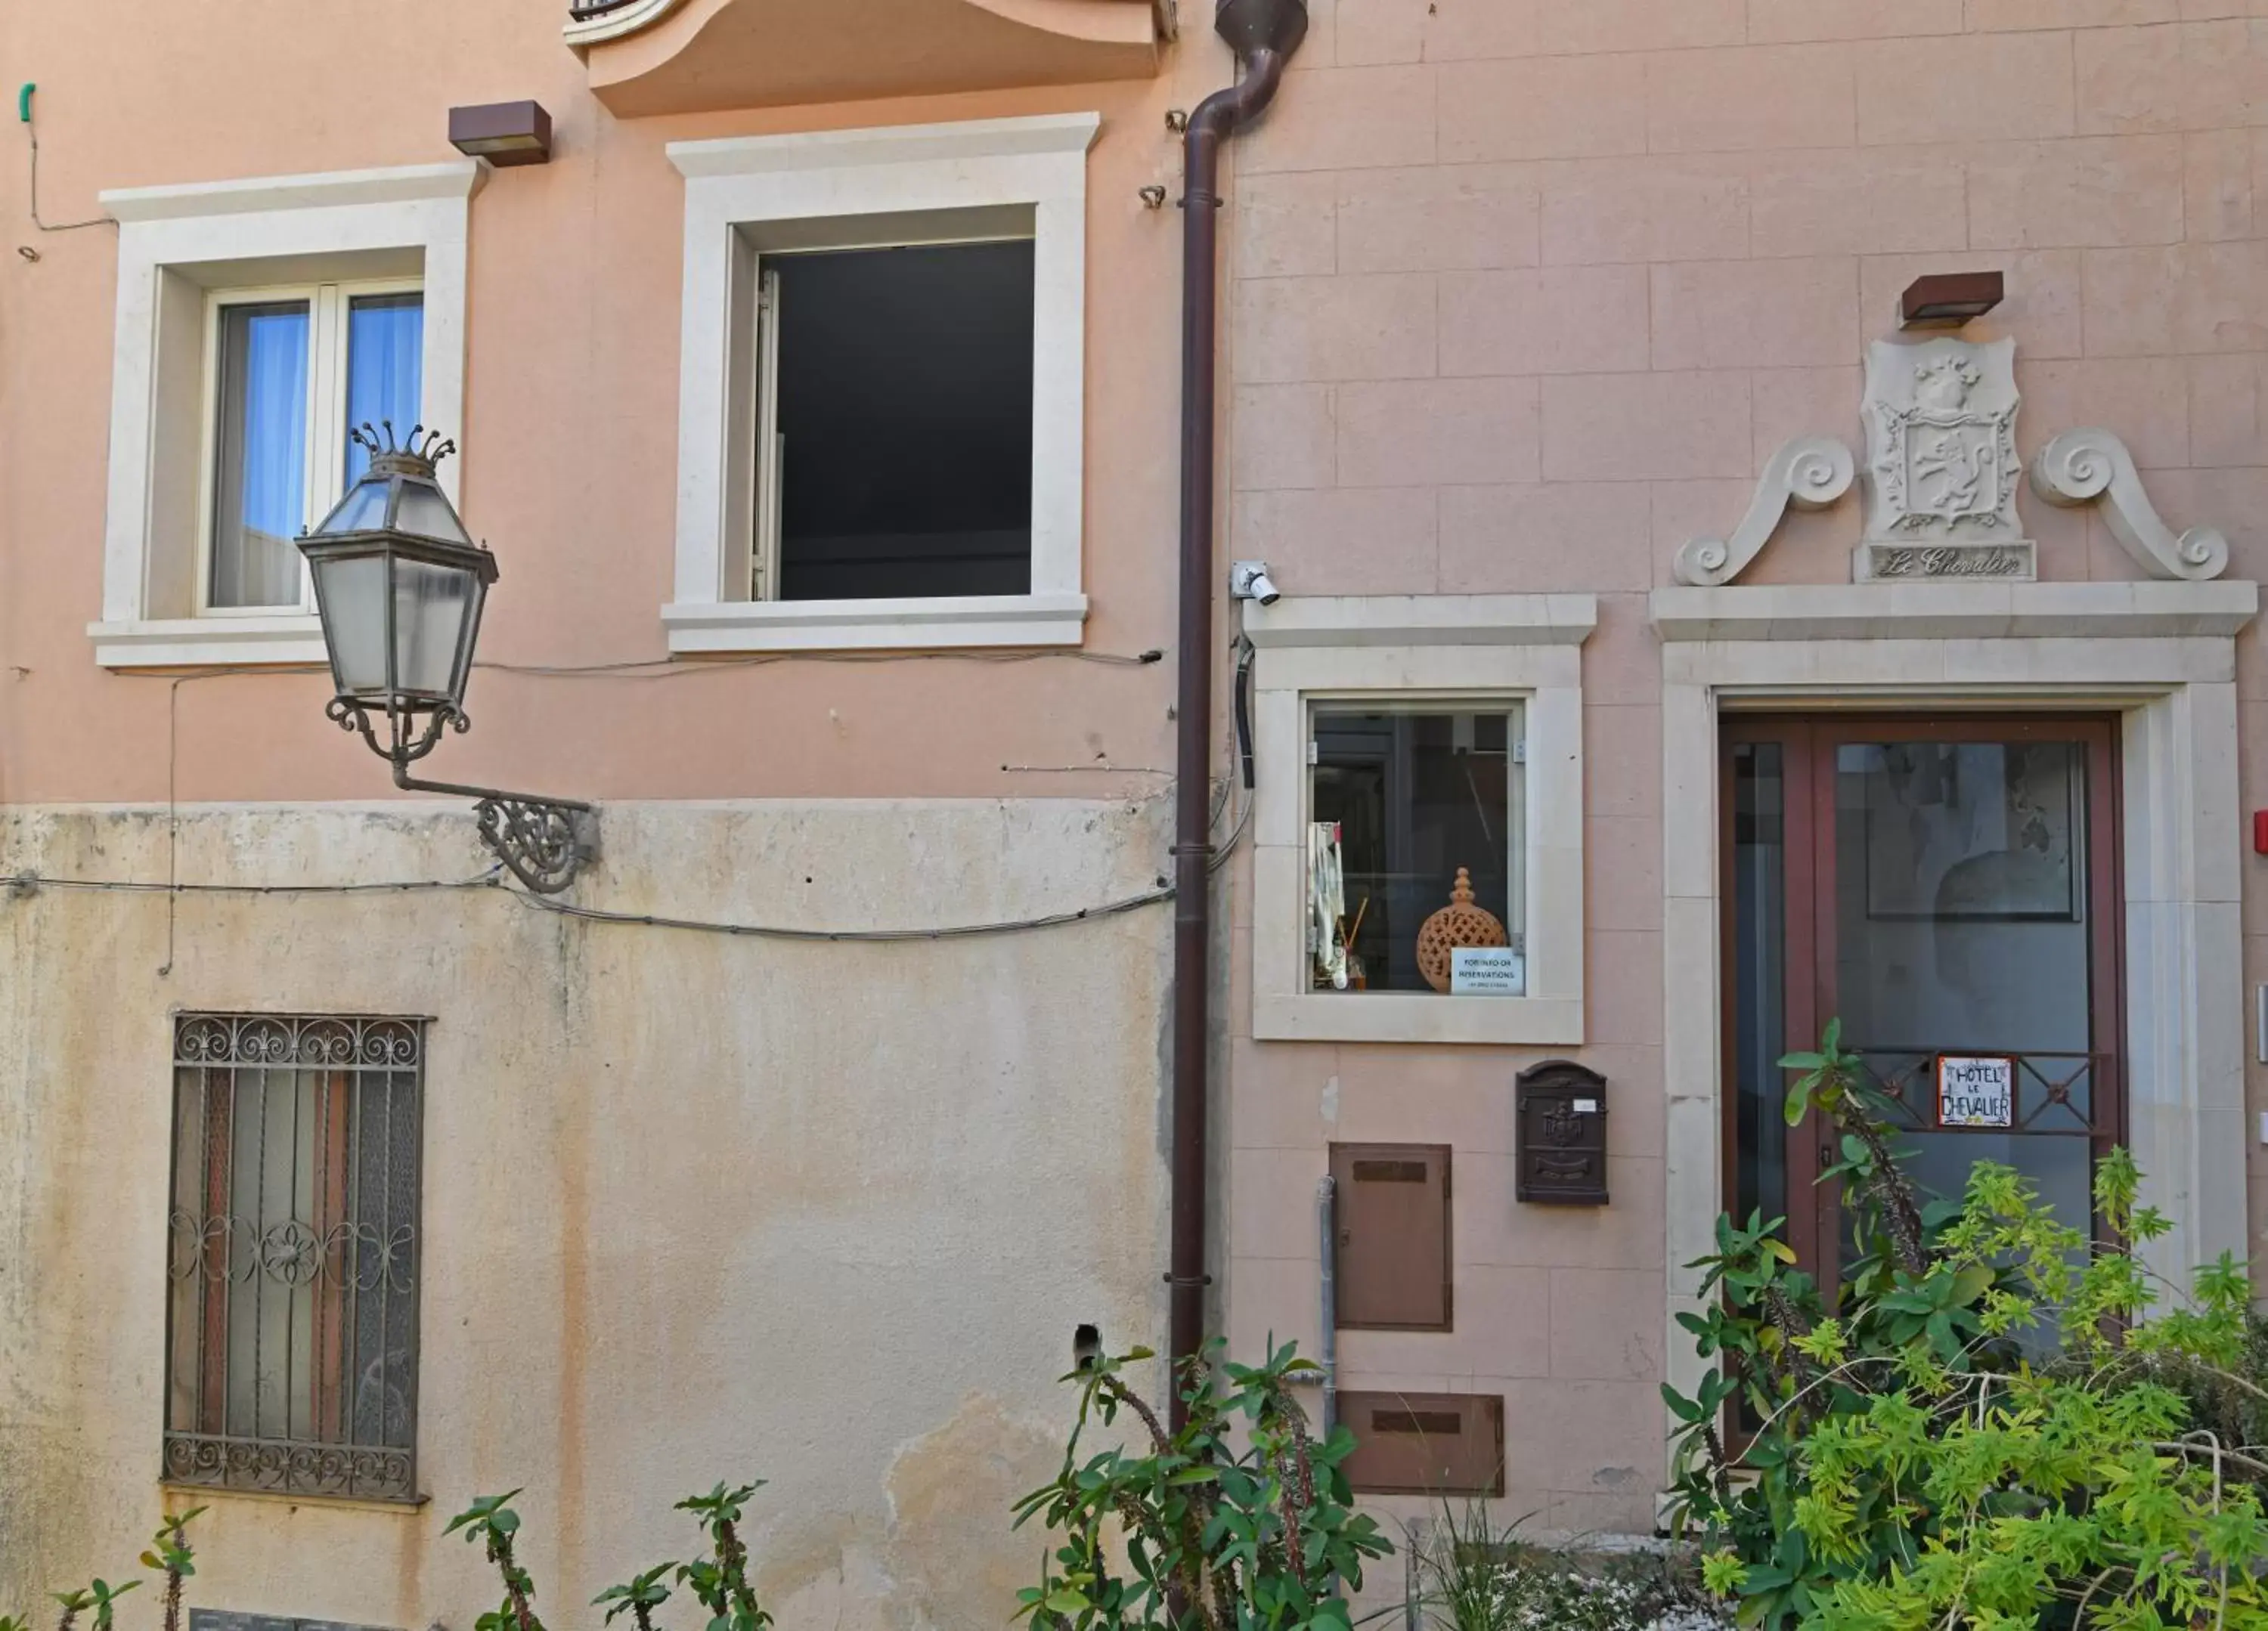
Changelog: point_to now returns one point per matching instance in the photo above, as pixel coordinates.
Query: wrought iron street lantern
(400, 585)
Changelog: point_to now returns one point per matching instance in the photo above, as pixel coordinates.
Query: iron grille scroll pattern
(292, 1255)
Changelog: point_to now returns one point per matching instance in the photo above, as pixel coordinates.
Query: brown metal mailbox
(1392, 1271)
(1561, 1139)
(1425, 1444)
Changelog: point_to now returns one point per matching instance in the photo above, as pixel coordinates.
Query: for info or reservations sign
(1487, 971)
(1976, 1091)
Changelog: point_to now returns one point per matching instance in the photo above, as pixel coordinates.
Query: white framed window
(882, 388)
(257, 320)
(288, 372)
(1418, 818)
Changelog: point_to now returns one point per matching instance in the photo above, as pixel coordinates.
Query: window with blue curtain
(261, 478)
(386, 345)
(264, 491)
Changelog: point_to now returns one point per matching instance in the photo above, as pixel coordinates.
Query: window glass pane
(385, 359)
(1961, 919)
(1760, 976)
(260, 472)
(1402, 804)
(905, 403)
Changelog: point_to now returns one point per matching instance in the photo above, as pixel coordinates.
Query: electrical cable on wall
(31, 131)
(23, 884)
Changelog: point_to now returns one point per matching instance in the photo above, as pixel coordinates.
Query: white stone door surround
(2160, 655)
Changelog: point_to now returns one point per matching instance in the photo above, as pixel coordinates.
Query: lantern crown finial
(417, 456)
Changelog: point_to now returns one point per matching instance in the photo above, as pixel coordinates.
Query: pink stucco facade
(1519, 296)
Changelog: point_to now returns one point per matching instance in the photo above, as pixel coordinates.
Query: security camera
(1248, 580)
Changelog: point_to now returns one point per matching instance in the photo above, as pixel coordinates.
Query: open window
(883, 388)
(893, 455)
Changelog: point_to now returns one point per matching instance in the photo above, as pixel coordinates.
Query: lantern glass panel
(425, 513)
(361, 511)
(432, 607)
(351, 592)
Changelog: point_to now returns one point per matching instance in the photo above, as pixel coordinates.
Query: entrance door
(1949, 887)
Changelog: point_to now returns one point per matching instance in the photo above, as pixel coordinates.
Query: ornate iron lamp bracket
(543, 841)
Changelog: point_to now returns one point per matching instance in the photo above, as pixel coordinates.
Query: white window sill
(1416, 1017)
(1050, 619)
(291, 638)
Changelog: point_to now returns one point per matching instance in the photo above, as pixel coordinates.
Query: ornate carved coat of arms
(1942, 469)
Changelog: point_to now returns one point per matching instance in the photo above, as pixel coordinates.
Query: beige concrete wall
(695, 1208)
(1524, 292)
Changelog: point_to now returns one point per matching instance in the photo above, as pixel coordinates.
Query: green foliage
(489, 1522)
(1911, 1469)
(1237, 1521)
(638, 1597)
(720, 1581)
(171, 1555)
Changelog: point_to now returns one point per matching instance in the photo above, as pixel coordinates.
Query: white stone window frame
(176, 247)
(862, 187)
(2162, 656)
(1391, 652)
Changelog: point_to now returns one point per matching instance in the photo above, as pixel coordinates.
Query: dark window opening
(905, 419)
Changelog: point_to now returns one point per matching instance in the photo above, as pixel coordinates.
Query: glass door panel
(1948, 888)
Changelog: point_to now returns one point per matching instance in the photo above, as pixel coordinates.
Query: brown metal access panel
(1425, 1444)
(1393, 1261)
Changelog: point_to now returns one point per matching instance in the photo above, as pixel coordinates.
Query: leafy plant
(489, 1521)
(170, 1556)
(638, 1597)
(721, 1580)
(1911, 1468)
(1235, 1521)
(99, 1595)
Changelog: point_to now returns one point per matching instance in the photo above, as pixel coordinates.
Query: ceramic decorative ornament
(1460, 923)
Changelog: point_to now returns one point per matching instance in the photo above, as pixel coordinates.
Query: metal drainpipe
(1264, 35)
(1326, 1220)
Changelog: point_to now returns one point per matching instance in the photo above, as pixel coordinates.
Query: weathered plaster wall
(695, 1208)
(1523, 293)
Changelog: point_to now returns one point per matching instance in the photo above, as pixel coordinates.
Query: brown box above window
(1425, 1444)
(1393, 1265)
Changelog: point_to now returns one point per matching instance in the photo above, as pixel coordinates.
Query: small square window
(292, 372)
(1416, 836)
(893, 451)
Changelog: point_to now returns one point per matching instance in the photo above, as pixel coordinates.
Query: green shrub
(1911, 1470)
(1238, 1521)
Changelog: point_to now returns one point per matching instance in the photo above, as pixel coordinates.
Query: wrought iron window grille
(293, 1255)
